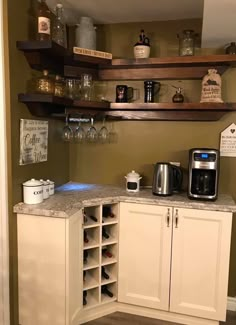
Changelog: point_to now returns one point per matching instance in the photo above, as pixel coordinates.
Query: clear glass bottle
(44, 84)
(44, 21)
(59, 86)
(186, 43)
(59, 27)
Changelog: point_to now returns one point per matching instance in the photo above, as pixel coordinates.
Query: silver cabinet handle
(168, 218)
(176, 218)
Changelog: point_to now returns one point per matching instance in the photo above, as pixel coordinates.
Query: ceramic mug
(125, 94)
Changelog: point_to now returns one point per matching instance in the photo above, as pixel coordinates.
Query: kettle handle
(178, 179)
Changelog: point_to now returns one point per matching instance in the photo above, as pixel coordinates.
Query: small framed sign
(33, 141)
(228, 141)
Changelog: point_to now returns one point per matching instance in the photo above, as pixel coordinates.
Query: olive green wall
(140, 144)
(57, 166)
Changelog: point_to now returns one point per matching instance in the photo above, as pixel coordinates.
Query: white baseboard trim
(231, 303)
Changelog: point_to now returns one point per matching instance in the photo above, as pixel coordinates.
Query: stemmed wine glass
(103, 134)
(67, 132)
(80, 134)
(92, 134)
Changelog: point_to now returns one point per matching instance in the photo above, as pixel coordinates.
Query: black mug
(151, 88)
(124, 93)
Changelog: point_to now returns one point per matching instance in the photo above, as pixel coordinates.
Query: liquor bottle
(106, 253)
(59, 27)
(86, 240)
(32, 20)
(84, 298)
(107, 292)
(44, 21)
(104, 233)
(104, 274)
(107, 212)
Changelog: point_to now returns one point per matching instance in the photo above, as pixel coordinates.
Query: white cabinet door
(144, 255)
(200, 262)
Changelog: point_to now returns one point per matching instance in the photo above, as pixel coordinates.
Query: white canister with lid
(132, 181)
(33, 192)
(51, 187)
(45, 189)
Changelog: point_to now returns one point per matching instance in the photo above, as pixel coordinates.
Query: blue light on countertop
(75, 187)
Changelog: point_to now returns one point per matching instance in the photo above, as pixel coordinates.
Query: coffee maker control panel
(204, 156)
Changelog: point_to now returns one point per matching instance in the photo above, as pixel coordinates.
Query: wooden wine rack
(95, 260)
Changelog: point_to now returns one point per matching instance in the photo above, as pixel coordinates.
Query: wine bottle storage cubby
(91, 278)
(91, 217)
(110, 292)
(91, 297)
(109, 234)
(91, 237)
(109, 254)
(91, 258)
(110, 214)
(109, 273)
(100, 254)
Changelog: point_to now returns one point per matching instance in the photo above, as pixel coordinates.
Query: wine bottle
(85, 217)
(44, 21)
(84, 298)
(107, 212)
(86, 240)
(104, 274)
(85, 258)
(93, 218)
(104, 233)
(107, 292)
(106, 253)
(84, 275)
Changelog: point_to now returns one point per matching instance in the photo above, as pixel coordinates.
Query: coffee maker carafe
(203, 173)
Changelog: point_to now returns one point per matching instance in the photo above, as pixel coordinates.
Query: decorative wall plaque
(33, 141)
(211, 87)
(228, 141)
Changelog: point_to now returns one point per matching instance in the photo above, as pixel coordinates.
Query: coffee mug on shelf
(125, 94)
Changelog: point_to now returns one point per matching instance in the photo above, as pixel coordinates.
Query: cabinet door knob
(168, 218)
(176, 218)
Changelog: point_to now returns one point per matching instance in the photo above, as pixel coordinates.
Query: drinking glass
(80, 134)
(67, 132)
(70, 88)
(92, 134)
(103, 134)
(86, 86)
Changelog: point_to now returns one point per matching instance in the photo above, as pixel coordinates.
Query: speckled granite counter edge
(22, 208)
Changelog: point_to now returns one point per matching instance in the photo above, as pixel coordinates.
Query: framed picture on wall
(33, 141)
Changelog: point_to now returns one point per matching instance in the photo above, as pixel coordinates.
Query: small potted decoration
(142, 47)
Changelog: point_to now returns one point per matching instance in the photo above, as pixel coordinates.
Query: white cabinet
(49, 269)
(183, 267)
(144, 255)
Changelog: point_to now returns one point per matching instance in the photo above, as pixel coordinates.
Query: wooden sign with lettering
(228, 141)
(33, 141)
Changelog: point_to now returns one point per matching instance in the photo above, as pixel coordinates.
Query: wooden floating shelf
(47, 105)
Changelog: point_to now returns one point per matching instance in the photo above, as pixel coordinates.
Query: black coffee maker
(203, 173)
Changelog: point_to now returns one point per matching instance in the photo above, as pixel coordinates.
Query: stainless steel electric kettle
(167, 179)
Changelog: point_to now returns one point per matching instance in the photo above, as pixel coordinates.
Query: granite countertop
(71, 197)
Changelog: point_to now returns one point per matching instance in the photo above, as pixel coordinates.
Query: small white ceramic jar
(132, 181)
(45, 189)
(33, 192)
(51, 187)
(141, 51)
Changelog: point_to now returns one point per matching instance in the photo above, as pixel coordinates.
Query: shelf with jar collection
(100, 255)
(48, 54)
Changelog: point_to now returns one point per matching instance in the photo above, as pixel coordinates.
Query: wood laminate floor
(127, 319)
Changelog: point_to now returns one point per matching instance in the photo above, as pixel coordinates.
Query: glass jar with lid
(44, 84)
(186, 42)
